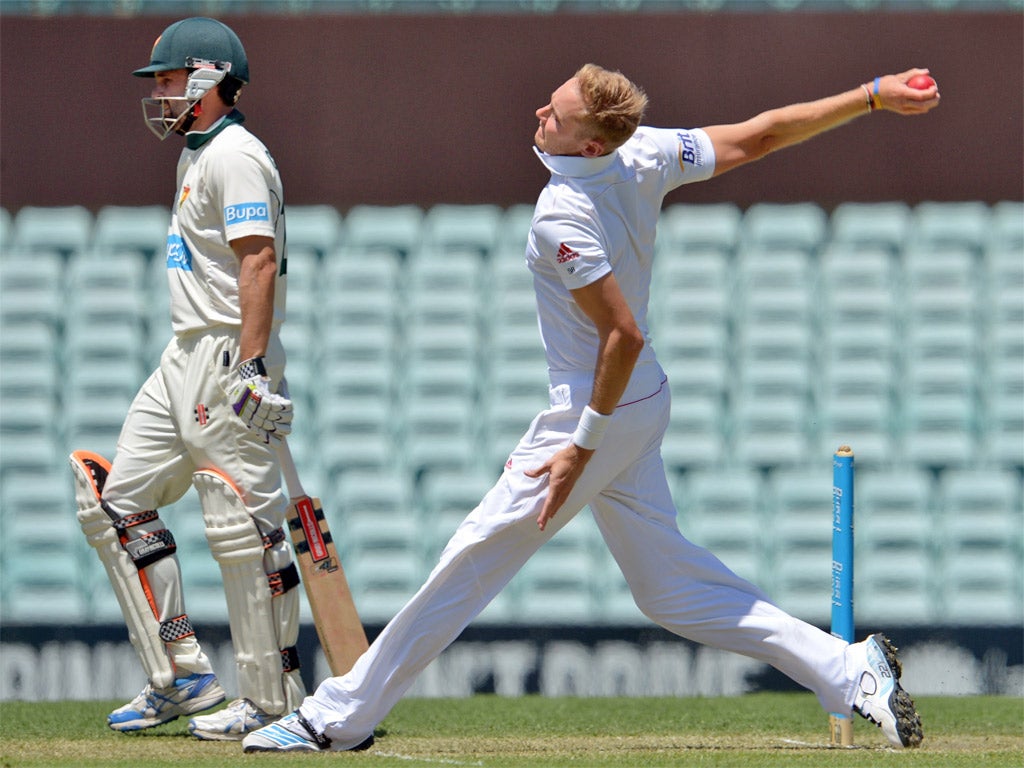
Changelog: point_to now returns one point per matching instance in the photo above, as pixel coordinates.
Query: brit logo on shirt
(202, 415)
(689, 151)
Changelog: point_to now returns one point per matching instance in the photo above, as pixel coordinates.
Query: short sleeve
(690, 154)
(246, 203)
(572, 250)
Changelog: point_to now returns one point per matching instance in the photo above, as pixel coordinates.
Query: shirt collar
(574, 165)
(196, 139)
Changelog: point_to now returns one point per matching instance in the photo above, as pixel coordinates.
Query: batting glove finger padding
(260, 409)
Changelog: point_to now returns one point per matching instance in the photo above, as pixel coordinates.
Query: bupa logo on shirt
(238, 214)
(178, 254)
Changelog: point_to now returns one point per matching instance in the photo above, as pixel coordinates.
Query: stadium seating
(414, 354)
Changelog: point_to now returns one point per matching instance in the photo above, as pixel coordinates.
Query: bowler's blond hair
(615, 105)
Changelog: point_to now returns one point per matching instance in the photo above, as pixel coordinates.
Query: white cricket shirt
(228, 187)
(600, 215)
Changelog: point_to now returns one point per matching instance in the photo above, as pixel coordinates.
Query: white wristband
(590, 431)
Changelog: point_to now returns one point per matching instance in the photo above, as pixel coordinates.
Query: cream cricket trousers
(180, 421)
(679, 585)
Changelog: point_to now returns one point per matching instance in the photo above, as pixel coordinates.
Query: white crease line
(411, 758)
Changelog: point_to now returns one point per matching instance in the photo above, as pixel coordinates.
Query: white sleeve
(572, 250)
(689, 153)
(246, 201)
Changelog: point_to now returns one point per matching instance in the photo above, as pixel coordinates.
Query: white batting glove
(267, 413)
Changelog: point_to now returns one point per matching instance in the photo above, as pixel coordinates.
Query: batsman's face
(561, 130)
(169, 89)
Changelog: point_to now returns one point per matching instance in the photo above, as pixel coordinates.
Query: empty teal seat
(314, 227)
(133, 228)
(783, 226)
(952, 266)
(395, 228)
(765, 268)
(472, 228)
(454, 342)
(351, 314)
(693, 306)
(695, 435)
(899, 493)
(29, 357)
(357, 429)
(867, 421)
(701, 270)
(431, 307)
(770, 431)
(1007, 224)
(67, 229)
(733, 497)
(982, 588)
(688, 227)
(940, 431)
(357, 269)
(440, 434)
(937, 224)
(982, 506)
(871, 225)
(697, 377)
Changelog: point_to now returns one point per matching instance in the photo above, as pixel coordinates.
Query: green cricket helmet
(189, 43)
(211, 52)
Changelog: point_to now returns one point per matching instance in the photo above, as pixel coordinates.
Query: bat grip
(291, 475)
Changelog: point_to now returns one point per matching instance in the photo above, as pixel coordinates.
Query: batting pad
(263, 606)
(90, 471)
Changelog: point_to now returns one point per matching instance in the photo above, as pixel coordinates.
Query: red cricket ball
(921, 82)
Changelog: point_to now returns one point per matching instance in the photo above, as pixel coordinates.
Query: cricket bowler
(591, 249)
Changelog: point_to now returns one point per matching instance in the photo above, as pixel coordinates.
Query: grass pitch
(785, 729)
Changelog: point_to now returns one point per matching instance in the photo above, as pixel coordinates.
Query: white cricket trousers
(679, 585)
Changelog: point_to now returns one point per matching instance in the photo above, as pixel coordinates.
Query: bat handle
(291, 475)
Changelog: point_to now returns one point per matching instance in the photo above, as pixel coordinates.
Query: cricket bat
(337, 621)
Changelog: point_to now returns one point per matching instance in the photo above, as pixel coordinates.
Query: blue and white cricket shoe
(292, 733)
(880, 697)
(232, 723)
(155, 706)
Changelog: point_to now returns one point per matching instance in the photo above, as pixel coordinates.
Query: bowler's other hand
(896, 96)
(563, 470)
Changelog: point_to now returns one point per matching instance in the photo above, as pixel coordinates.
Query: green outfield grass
(786, 729)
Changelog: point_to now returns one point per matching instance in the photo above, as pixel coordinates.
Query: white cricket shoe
(232, 723)
(292, 733)
(155, 706)
(880, 697)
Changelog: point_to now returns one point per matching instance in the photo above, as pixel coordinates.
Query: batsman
(210, 415)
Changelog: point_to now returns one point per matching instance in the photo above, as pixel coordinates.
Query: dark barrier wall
(390, 109)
